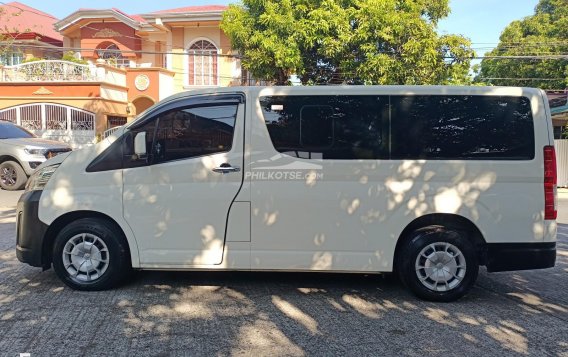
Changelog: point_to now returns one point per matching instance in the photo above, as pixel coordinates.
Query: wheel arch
(60, 222)
(9, 158)
(446, 220)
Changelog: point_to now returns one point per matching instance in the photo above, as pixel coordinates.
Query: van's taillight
(549, 183)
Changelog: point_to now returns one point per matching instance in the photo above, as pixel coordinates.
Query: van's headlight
(38, 179)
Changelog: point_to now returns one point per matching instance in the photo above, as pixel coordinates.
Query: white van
(427, 181)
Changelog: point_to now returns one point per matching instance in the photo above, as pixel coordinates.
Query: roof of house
(134, 21)
(20, 18)
(133, 17)
(558, 101)
(142, 19)
(202, 8)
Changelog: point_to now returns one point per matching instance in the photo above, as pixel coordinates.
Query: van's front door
(177, 198)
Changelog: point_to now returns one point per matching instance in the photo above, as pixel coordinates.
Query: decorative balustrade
(110, 131)
(48, 71)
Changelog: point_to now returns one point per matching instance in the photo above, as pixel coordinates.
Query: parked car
(21, 152)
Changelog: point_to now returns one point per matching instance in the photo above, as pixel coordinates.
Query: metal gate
(561, 147)
(54, 121)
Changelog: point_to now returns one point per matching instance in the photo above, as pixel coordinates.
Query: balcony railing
(110, 131)
(48, 71)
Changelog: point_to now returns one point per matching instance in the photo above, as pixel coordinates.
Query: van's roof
(364, 90)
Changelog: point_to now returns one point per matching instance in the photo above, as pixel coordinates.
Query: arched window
(112, 53)
(202, 64)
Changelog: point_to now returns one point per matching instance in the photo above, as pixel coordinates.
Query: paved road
(160, 313)
(8, 199)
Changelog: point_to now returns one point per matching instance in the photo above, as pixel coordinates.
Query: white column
(43, 117)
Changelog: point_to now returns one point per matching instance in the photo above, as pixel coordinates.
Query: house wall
(562, 161)
(184, 37)
(178, 57)
(166, 84)
(159, 83)
(153, 45)
(96, 33)
(73, 40)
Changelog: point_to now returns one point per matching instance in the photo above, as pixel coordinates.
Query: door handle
(226, 168)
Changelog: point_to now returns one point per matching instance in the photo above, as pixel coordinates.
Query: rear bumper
(30, 231)
(520, 256)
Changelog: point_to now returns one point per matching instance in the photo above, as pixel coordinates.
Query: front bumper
(30, 231)
(520, 256)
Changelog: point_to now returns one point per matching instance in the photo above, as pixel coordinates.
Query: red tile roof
(133, 17)
(20, 18)
(203, 8)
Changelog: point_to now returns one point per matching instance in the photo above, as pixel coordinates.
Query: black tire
(108, 275)
(454, 282)
(12, 176)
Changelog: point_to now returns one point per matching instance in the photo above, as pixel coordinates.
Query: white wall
(562, 161)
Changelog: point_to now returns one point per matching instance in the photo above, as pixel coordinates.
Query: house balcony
(56, 79)
(51, 71)
(68, 79)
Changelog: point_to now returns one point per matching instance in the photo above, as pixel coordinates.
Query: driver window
(197, 131)
(186, 132)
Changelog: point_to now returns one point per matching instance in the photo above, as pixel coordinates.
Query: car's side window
(183, 133)
(328, 127)
(194, 131)
(461, 127)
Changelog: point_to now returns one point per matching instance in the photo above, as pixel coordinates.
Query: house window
(114, 121)
(202, 64)
(11, 58)
(113, 55)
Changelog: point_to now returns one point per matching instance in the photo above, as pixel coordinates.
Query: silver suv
(21, 152)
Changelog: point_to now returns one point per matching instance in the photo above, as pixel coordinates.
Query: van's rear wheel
(90, 254)
(438, 264)
(12, 176)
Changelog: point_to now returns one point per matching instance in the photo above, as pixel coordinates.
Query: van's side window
(461, 127)
(196, 131)
(328, 127)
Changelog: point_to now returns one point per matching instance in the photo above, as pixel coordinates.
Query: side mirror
(140, 146)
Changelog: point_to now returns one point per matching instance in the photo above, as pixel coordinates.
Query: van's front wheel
(438, 264)
(89, 254)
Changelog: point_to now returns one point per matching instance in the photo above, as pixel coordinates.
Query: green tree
(347, 41)
(543, 34)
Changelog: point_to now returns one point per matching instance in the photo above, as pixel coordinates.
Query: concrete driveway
(162, 313)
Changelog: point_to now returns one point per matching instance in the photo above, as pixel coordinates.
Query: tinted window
(11, 131)
(196, 131)
(461, 127)
(328, 127)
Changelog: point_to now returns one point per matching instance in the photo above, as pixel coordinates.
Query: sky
(482, 21)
